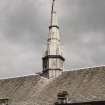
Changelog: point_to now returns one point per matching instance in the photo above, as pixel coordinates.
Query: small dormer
(62, 97)
(3, 101)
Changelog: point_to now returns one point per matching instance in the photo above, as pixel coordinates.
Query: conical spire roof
(54, 47)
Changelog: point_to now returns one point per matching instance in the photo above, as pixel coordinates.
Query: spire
(53, 59)
(54, 37)
(54, 21)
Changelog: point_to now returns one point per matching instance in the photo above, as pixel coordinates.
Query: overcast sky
(24, 31)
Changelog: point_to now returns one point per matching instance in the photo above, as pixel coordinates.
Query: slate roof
(83, 85)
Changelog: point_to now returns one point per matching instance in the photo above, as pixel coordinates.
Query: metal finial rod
(53, 5)
(53, 14)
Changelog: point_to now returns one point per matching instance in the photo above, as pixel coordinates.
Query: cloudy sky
(24, 31)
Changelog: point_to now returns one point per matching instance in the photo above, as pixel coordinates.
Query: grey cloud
(24, 31)
(84, 33)
(87, 15)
